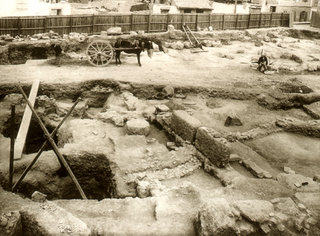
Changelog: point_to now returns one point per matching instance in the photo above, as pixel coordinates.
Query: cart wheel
(99, 53)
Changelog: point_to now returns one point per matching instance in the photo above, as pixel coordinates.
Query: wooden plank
(24, 126)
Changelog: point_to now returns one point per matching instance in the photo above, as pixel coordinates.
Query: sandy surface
(177, 67)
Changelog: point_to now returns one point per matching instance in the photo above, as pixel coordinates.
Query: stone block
(10, 224)
(50, 219)
(235, 157)
(317, 178)
(114, 30)
(162, 108)
(184, 125)
(143, 189)
(298, 182)
(168, 91)
(216, 217)
(38, 197)
(215, 149)
(256, 170)
(233, 120)
(254, 210)
(63, 108)
(138, 127)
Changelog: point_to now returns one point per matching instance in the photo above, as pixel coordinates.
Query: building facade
(34, 8)
(300, 9)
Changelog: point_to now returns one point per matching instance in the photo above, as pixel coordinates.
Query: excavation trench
(95, 171)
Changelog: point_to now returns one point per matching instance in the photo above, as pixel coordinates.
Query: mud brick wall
(212, 146)
(184, 125)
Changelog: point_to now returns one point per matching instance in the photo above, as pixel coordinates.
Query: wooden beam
(25, 123)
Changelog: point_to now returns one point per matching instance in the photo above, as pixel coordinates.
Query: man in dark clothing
(58, 52)
(263, 63)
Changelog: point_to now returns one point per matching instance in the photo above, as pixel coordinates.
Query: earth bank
(168, 180)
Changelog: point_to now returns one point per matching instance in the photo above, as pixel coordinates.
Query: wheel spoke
(94, 48)
(100, 53)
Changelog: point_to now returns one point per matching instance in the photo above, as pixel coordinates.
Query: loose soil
(198, 76)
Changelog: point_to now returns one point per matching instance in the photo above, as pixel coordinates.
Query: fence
(315, 19)
(94, 24)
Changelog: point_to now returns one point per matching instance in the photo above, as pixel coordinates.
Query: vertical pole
(291, 19)
(281, 19)
(149, 22)
(168, 21)
(237, 21)
(260, 20)
(270, 21)
(19, 25)
(249, 19)
(45, 24)
(71, 24)
(235, 6)
(182, 20)
(132, 22)
(209, 20)
(197, 22)
(223, 21)
(13, 130)
(92, 27)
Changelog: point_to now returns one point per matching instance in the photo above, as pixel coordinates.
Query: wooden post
(235, 6)
(92, 27)
(54, 132)
(45, 24)
(149, 22)
(168, 21)
(223, 21)
(132, 21)
(71, 24)
(13, 131)
(237, 21)
(54, 146)
(182, 20)
(209, 20)
(24, 127)
(19, 25)
(281, 18)
(270, 20)
(249, 21)
(197, 22)
(260, 20)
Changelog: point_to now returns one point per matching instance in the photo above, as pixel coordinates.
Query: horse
(135, 47)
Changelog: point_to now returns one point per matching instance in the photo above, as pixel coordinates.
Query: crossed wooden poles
(54, 146)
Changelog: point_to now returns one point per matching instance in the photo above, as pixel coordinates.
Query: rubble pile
(51, 35)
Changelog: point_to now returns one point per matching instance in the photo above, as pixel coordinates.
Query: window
(187, 11)
(199, 11)
(164, 11)
(273, 9)
(22, 4)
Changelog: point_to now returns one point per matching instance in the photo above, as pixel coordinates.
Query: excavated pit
(166, 181)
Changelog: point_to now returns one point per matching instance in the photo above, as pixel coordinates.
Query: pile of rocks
(51, 35)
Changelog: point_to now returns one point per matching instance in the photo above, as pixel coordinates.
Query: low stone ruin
(124, 152)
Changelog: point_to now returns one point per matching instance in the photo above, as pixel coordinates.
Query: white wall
(35, 8)
(229, 8)
(157, 9)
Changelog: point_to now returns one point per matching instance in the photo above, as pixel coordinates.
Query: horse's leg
(138, 57)
(118, 57)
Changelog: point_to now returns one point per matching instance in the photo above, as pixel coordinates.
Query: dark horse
(135, 47)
